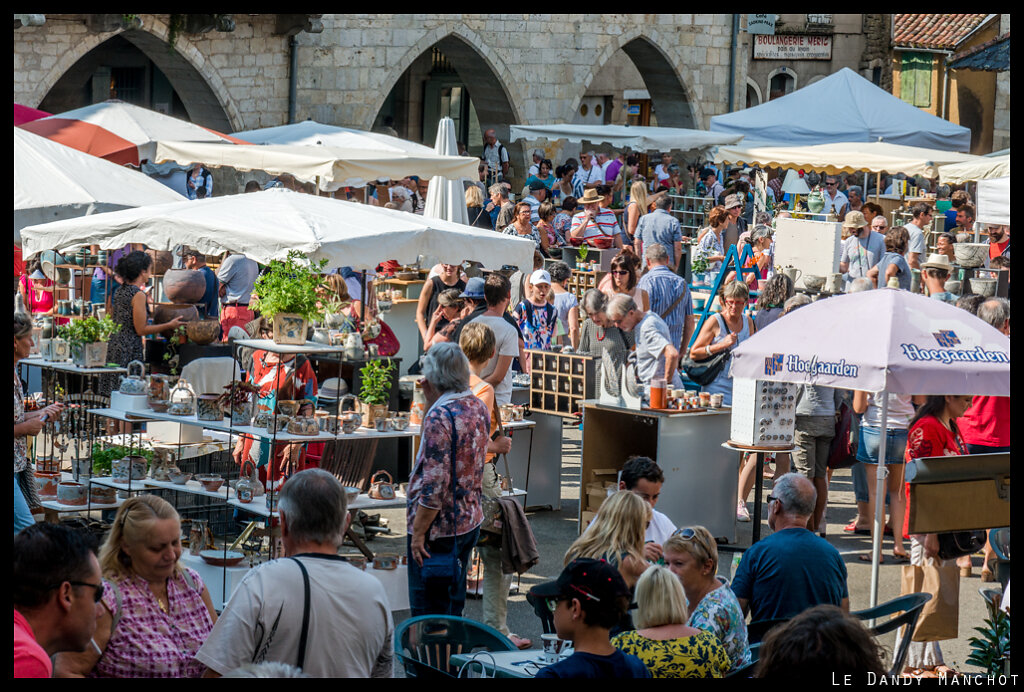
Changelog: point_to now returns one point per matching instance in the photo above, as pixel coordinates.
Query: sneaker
(741, 511)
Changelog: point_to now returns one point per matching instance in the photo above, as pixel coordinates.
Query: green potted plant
(88, 340)
(288, 294)
(991, 650)
(375, 390)
(699, 266)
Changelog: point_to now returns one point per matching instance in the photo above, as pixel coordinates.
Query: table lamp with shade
(795, 185)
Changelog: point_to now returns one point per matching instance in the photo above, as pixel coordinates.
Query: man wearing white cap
(936, 272)
(862, 250)
(535, 315)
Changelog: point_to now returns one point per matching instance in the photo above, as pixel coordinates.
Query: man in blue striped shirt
(669, 294)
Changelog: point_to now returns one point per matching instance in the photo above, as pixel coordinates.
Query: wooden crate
(560, 381)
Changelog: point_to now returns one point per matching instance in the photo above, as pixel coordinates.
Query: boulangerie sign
(792, 47)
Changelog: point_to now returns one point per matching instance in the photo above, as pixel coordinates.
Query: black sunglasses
(97, 588)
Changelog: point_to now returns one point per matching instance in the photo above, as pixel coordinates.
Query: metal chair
(425, 643)
(541, 610)
(1000, 541)
(756, 631)
(993, 597)
(911, 606)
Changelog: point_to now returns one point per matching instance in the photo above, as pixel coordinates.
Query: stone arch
(202, 91)
(672, 98)
(476, 63)
(777, 71)
(757, 90)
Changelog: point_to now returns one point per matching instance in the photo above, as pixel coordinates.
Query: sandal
(945, 671)
(852, 528)
(900, 557)
(867, 558)
(520, 643)
(919, 673)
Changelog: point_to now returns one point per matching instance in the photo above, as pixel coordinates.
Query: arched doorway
(137, 67)
(450, 78)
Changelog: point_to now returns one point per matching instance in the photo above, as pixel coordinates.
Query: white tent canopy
(994, 201)
(982, 169)
(849, 157)
(446, 197)
(52, 181)
(312, 133)
(333, 166)
(843, 107)
(635, 138)
(266, 225)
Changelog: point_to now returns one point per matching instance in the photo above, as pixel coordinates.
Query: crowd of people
(135, 611)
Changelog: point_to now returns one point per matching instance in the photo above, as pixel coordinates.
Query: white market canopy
(311, 133)
(843, 107)
(333, 166)
(635, 138)
(984, 168)
(849, 157)
(266, 225)
(52, 182)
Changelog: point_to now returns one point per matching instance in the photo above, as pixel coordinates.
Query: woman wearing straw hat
(594, 226)
(936, 272)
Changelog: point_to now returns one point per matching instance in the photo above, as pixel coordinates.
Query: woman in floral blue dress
(692, 555)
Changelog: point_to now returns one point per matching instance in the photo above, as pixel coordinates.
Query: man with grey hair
(538, 156)
(855, 194)
(311, 608)
(669, 295)
(496, 156)
(500, 202)
(661, 227)
(791, 570)
(835, 201)
(655, 354)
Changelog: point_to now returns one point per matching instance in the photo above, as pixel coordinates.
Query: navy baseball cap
(474, 289)
(585, 579)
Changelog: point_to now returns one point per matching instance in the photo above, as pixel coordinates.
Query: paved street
(555, 531)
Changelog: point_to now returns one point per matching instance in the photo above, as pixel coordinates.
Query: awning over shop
(983, 168)
(635, 138)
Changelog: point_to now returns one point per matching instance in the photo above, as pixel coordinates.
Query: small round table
(759, 453)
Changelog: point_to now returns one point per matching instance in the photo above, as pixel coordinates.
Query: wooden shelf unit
(559, 382)
(410, 289)
(692, 212)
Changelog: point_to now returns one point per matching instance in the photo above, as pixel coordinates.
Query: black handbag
(704, 372)
(959, 543)
(443, 567)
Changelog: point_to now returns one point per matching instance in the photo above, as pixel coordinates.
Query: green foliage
(376, 381)
(89, 330)
(700, 263)
(583, 252)
(989, 650)
(291, 286)
(103, 459)
(171, 352)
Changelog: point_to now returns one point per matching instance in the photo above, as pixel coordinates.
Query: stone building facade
(523, 69)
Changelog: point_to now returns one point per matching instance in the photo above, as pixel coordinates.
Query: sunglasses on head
(686, 534)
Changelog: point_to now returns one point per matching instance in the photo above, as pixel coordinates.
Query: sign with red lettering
(792, 47)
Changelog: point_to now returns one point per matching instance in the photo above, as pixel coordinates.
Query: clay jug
(184, 285)
(816, 200)
(162, 261)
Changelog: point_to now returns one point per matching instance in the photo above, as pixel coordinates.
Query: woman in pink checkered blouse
(155, 613)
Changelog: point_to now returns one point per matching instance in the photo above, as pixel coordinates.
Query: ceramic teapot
(248, 487)
(353, 346)
(134, 382)
(816, 200)
(182, 398)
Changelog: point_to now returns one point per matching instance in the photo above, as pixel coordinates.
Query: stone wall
(1001, 115)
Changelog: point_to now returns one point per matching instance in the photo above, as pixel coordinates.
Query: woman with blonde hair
(616, 535)
(662, 640)
(478, 216)
(637, 207)
(692, 555)
(155, 614)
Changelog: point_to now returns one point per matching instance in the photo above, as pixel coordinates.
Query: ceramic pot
(241, 413)
(165, 312)
(370, 412)
(134, 382)
(303, 425)
(289, 329)
(208, 408)
(321, 336)
(983, 287)
(211, 483)
(272, 502)
(289, 407)
(81, 468)
(970, 254)
(382, 424)
(815, 201)
(350, 422)
(92, 355)
(133, 465)
(385, 562)
(261, 419)
(814, 282)
(47, 484)
(179, 477)
(102, 495)
(202, 332)
(72, 493)
(48, 464)
(276, 424)
(163, 260)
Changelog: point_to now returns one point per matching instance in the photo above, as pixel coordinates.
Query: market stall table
(700, 476)
(504, 664)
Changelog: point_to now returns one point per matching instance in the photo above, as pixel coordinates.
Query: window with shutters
(916, 79)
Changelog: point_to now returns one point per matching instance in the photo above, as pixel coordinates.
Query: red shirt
(986, 422)
(30, 659)
(928, 437)
(996, 249)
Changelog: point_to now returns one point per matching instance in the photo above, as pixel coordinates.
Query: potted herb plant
(237, 401)
(288, 295)
(88, 340)
(374, 390)
(699, 266)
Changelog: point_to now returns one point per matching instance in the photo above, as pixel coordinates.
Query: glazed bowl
(159, 406)
(72, 493)
(983, 287)
(220, 558)
(202, 332)
(211, 483)
(385, 562)
(970, 254)
(814, 283)
(289, 407)
(351, 493)
(180, 477)
(400, 422)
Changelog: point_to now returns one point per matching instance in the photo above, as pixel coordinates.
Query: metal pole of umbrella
(876, 529)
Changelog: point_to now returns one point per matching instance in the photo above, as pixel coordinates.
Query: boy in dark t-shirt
(587, 600)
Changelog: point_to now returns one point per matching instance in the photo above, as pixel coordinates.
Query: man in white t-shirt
(498, 371)
(349, 630)
(835, 201)
(644, 477)
(538, 156)
(922, 218)
(590, 174)
(496, 156)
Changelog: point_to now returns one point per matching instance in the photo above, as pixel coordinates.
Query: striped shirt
(603, 225)
(663, 287)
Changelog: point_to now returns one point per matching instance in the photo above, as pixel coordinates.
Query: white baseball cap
(540, 277)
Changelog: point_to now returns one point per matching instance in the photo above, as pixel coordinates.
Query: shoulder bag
(443, 567)
(490, 529)
(704, 372)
